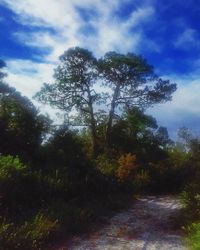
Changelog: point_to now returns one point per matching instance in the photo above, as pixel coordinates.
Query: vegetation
(56, 179)
(130, 79)
(190, 196)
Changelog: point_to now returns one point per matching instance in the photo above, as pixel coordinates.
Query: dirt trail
(147, 225)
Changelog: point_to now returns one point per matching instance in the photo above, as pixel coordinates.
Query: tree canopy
(133, 83)
(73, 89)
(130, 79)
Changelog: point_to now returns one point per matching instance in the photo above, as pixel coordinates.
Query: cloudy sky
(33, 33)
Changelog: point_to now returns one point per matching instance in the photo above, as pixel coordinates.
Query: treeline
(58, 179)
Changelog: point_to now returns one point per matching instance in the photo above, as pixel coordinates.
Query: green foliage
(193, 238)
(187, 160)
(191, 199)
(138, 83)
(22, 195)
(106, 165)
(22, 127)
(30, 235)
(74, 88)
(10, 164)
(133, 83)
(63, 158)
(129, 130)
(59, 184)
(131, 80)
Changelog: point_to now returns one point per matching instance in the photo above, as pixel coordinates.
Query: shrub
(30, 235)
(127, 165)
(191, 200)
(22, 195)
(193, 238)
(141, 181)
(106, 165)
(9, 165)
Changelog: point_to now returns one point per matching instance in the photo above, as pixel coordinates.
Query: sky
(34, 33)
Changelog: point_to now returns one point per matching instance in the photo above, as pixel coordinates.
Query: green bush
(10, 165)
(190, 198)
(30, 235)
(22, 195)
(21, 190)
(106, 165)
(193, 239)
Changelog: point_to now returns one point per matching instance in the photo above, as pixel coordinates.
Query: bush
(10, 165)
(12, 183)
(22, 195)
(193, 238)
(106, 165)
(190, 198)
(141, 181)
(30, 235)
(127, 165)
(23, 191)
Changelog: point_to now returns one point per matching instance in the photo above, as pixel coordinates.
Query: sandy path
(147, 225)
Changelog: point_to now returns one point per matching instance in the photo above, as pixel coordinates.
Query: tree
(63, 152)
(133, 83)
(184, 138)
(130, 129)
(21, 126)
(130, 78)
(162, 137)
(73, 89)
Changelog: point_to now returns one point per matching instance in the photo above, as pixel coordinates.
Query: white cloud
(183, 110)
(27, 76)
(114, 34)
(187, 39)
(111, 32)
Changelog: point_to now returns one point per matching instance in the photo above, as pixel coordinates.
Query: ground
(150, 223)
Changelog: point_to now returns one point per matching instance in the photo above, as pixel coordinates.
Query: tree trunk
(111, 114)
(94, 136)
(92, 126)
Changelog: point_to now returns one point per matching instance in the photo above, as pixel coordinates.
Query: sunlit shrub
(9, 165)
(106, 165)
(127, 165)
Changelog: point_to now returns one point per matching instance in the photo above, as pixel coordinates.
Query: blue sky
(33, 33)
